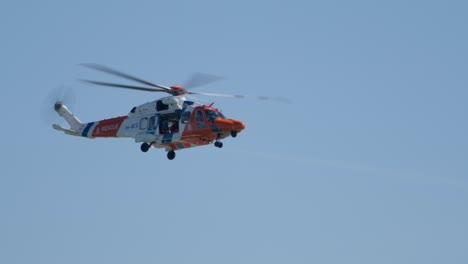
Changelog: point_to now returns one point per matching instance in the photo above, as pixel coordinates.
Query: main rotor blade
(123, 75)
(147, 89)
(199, 79)
(280, 99)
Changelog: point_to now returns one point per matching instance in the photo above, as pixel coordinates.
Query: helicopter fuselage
(172, 123)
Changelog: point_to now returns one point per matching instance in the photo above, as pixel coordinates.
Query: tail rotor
(53, 101)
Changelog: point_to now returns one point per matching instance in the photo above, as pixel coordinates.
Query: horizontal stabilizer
(65, 130)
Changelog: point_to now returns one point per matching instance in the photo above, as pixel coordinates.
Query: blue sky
(366, 165)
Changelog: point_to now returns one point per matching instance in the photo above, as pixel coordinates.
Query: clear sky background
(368, 164)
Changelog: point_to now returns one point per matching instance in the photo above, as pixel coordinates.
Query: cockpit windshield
(212, 115)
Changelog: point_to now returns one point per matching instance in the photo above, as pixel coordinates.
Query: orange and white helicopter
(171, 122)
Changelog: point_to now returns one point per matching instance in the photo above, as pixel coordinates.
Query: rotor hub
(177, 90)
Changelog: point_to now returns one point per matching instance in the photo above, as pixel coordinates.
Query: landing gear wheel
(218, 144)
(145, 147)
(171, 155)
(233, 133)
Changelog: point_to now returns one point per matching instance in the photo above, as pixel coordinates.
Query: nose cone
(230, 124)
(239, 125)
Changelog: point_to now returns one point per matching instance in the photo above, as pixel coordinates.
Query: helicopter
(172, 122)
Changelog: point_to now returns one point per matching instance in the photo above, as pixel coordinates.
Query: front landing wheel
(233, 133)
(171, 155)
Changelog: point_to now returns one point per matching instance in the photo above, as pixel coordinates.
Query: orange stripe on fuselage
(108, 127)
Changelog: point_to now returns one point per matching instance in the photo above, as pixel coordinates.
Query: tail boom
(103, 128)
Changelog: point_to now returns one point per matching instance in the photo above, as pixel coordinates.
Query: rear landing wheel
(218, 144)
(145, 147)
(171, 155)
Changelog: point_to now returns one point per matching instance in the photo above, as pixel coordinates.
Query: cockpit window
(212, 115)
(199, 116)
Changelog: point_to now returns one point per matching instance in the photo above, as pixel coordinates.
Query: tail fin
(72, 120)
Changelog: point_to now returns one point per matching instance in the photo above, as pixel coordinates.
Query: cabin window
(185, 117)
(152, 122)
(144, 123)
(199, 116)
